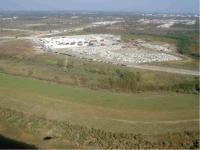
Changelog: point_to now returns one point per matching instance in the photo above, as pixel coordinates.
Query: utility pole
(1, 25)
(49, 25)
(66, 61)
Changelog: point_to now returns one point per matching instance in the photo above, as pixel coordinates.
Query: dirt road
(156, 122)
(166, 69)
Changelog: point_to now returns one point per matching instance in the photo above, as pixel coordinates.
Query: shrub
(128, 80)
(60, 62)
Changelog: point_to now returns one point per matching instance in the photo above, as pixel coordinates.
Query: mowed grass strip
(99, 109)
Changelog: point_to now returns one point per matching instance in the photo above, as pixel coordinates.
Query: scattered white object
(105, 48)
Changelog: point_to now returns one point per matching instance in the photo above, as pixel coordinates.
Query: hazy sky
(187, 6)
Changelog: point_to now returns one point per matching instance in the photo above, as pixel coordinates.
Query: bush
(128, 80)
(70, 63)
(60, 62)
(197, 84)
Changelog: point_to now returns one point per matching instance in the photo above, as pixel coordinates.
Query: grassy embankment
(146, 113)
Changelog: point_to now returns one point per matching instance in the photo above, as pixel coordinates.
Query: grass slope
(117, 112)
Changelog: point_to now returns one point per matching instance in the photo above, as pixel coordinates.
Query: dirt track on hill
(166, 69)
(156, 122)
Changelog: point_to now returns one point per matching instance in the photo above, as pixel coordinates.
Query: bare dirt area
(5, 33)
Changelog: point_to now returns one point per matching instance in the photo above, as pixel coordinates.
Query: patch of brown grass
(12, 33)
(26, 135)
(17, 47)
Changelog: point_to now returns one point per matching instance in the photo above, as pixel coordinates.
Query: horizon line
(120, 11)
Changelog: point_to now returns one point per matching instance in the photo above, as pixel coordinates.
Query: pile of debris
(107, 48)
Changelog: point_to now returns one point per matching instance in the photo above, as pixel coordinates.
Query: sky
(175, 6)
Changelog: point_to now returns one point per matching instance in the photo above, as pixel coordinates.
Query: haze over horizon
(171, 6)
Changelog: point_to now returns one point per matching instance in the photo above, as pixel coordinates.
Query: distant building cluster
(166, 23)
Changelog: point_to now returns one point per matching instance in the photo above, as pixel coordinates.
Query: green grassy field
(118, 112)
